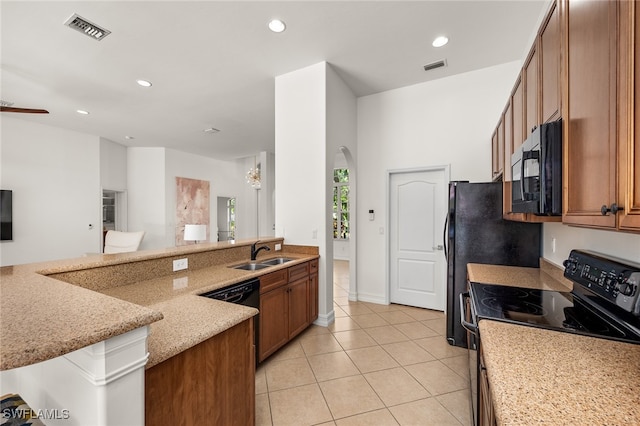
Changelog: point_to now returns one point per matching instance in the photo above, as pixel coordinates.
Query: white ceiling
(213, 63)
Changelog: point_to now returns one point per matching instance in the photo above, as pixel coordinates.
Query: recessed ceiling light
(211, 130)
(277, 26)
(144, 83)
(129, 138)
(440, 41)
(83, 112)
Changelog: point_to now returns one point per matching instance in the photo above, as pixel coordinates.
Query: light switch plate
(180, 264)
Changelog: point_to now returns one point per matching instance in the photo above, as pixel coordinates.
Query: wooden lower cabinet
(313, 297)
(212, 383)
(274, 328)
(487, 414)
(284, 313)
(298, 306)
(288, 305)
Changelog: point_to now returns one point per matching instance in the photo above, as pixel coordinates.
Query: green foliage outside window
(341, 204)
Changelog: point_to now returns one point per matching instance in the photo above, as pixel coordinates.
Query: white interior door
(417, 209)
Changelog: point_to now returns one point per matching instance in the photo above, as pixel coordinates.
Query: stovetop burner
(510, 306)
(556, 310)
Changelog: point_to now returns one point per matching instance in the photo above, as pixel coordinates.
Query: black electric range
(604, 303)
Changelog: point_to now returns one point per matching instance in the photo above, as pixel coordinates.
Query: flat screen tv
(6, 215)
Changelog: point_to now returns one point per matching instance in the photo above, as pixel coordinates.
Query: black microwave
(536, 170)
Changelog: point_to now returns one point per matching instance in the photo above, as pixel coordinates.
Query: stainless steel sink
(251, 266)
(255, 266)
(276, 261)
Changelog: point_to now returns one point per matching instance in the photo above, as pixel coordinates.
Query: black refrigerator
(475, 232)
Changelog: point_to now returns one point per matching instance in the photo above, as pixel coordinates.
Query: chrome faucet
(254, 251)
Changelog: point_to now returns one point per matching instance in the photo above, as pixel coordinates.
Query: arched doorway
(344, 215)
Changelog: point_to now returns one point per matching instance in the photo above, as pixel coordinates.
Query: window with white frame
(341, 204)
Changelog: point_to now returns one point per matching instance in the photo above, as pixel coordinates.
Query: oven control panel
(615, 280)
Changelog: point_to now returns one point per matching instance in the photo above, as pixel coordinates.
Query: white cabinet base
(99, 385)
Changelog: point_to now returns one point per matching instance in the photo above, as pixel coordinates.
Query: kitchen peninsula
(93, 314)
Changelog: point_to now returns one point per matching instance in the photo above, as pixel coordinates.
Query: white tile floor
(376, 365)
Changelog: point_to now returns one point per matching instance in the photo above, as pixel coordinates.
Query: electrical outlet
(278, 247)
(553, 245)
(180, 264)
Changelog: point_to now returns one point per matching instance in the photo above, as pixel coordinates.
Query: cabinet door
(298, 293)
(273, 321)
(508, 141)
(494, 155)
(629, 137)
(530, 74)
(589, 109)
(550, 66)
(214, 380)
(313, 298)
(497, 151)
(518, 116)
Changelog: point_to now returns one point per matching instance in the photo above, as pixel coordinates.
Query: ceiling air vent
(89, 29)
(436, 64)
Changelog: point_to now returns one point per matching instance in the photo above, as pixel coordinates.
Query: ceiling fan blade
(23, 110)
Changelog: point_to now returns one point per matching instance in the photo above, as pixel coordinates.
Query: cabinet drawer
(298, 271)
(273, 280)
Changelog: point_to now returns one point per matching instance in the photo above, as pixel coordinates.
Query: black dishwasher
(245, 293)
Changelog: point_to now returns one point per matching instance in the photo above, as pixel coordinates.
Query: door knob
(438, 247)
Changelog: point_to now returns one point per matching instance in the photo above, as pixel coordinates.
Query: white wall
(618, 244)
(226, 179)
(151, 184)
(57, 178)
(342, 142)
(146, 197)
(56, 191)
(315, 114)
(446, 121)
(266, 195)
(300, 120)
(301, 176)
(113, 165)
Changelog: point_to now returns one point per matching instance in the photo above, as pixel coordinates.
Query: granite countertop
(540, 376)
(547, 277)
(42, 317)
(188, 318)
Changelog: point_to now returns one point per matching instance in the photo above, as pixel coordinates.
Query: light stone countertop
(188, 318)
(545, 377)
(42, 317)
(547, 277)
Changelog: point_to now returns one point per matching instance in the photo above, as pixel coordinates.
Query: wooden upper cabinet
(494, 155)
(517, 100)
(508, 141)
(497, 151)
(629, 118)
(501, 127)
(549, 56)
(530, 76)
(589, 111)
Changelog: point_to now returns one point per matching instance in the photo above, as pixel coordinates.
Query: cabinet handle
(613, 209)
